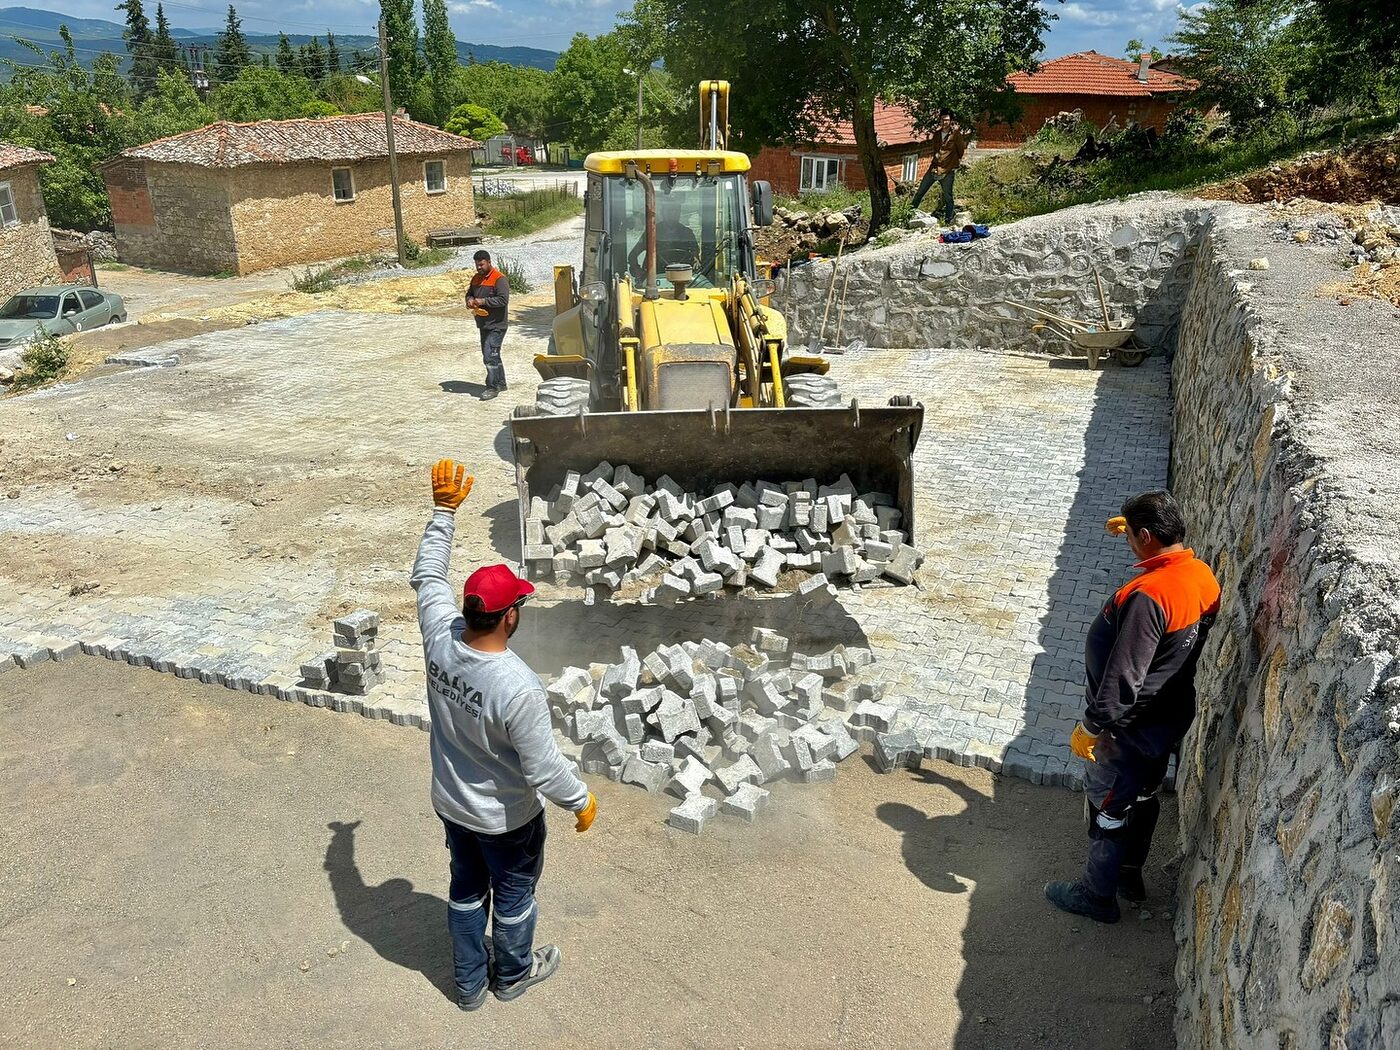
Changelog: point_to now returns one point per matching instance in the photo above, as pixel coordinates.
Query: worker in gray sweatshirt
(493, 755)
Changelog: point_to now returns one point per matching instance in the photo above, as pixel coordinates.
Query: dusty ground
(184, 866)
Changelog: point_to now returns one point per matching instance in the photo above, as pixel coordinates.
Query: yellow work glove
(450, 484)
(1082, 742)
(1116, 526)
(586, 814)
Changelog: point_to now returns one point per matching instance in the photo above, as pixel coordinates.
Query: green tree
(348, 95)
(475, 122)
(440, 50)
(1239, 52)
(332, 54)
(231, 50)
(261, 94)
(163, 46)
(286, 57)
(313, 60)
(1136, 47)
(591, 94)
(82, 116)
(522, 96)
(171, 108)
(825, 61)
(405, 63)
(139, 46)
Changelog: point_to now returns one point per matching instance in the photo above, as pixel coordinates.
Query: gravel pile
(711, 723)
(610, 526)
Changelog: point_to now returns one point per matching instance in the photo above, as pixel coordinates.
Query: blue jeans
(945, 184)
(491, 340)
(486, 869)
(1120, 790)
(945, 188)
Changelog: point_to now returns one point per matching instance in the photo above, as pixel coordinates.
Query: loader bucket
(701, 450)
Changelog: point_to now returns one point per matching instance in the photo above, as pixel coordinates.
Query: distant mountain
(92, 36)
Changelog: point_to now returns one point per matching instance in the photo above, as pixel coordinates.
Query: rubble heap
(711, 723)
(353, 665)
(609, 526)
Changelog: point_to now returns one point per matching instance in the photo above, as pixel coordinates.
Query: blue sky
(1105, 25)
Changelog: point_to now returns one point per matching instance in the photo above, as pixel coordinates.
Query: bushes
(515, 274)
(43, 360)
(522, 213)
(313, 281)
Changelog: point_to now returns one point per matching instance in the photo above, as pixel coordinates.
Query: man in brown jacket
(950, 143)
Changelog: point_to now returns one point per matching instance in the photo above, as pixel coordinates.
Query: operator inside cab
(676, 244)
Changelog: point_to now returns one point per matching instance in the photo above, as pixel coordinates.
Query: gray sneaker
(546, 961)
(487, 394)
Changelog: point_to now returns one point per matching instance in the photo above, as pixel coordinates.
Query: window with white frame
(343, 184)
(9, 214)
(911, 168)
(434, 176)
(819, 174)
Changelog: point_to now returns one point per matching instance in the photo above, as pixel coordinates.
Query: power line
(350, 70)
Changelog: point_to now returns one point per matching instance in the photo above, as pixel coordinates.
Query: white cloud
(466, 7)
(1077, 12)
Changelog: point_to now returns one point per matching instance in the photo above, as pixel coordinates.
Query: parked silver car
(60, 309)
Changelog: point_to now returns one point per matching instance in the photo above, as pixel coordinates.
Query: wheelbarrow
(1118, 338)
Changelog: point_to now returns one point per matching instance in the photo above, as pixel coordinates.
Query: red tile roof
(893, 127)
(1090, 73)
(357, 136)
(1083, 73)
(12, 156)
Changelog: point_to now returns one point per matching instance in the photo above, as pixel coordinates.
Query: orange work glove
(1116, 526)
(450, 484)
(1082, 742)
(586, 814)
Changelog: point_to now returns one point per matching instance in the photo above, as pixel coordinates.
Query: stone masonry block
(690, 778)
(746, 802)
(691, 814)
(649, 775)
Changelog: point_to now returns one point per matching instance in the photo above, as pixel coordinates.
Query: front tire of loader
(809, 390)
(562, 396)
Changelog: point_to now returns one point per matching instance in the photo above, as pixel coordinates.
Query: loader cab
(704, 219)
(703, 216)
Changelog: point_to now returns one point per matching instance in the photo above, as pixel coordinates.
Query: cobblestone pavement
(211, 517)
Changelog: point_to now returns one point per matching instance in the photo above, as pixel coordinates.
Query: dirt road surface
(186, 866)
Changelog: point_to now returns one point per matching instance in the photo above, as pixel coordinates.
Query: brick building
(26, 243)
(817, 166)
(1101, 86)
(243, 197)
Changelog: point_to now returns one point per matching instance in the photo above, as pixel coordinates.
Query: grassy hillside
(91, 36)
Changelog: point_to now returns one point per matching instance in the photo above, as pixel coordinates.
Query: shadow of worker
(403, 926)
(931, 845)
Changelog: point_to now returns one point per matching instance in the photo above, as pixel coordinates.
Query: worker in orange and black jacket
(488, 297)
(1140, 658)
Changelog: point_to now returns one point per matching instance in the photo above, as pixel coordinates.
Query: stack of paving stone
(711, 723)
(353, 665)
(609, 526)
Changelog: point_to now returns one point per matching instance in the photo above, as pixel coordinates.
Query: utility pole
(639, 107)
(389, 135)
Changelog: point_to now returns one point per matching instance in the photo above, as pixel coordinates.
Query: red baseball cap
(497, 587)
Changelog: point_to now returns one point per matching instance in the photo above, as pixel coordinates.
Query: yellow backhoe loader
(667, 355)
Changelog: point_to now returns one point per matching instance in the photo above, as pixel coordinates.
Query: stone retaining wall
(1288, 924)
(920, 293)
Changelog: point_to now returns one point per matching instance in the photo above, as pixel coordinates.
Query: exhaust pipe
(653, 290)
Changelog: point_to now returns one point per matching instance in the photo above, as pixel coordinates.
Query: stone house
(236, 198)
(1102, 87)
(26, 243)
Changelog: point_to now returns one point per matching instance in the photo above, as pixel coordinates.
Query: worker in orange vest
(487, 297)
